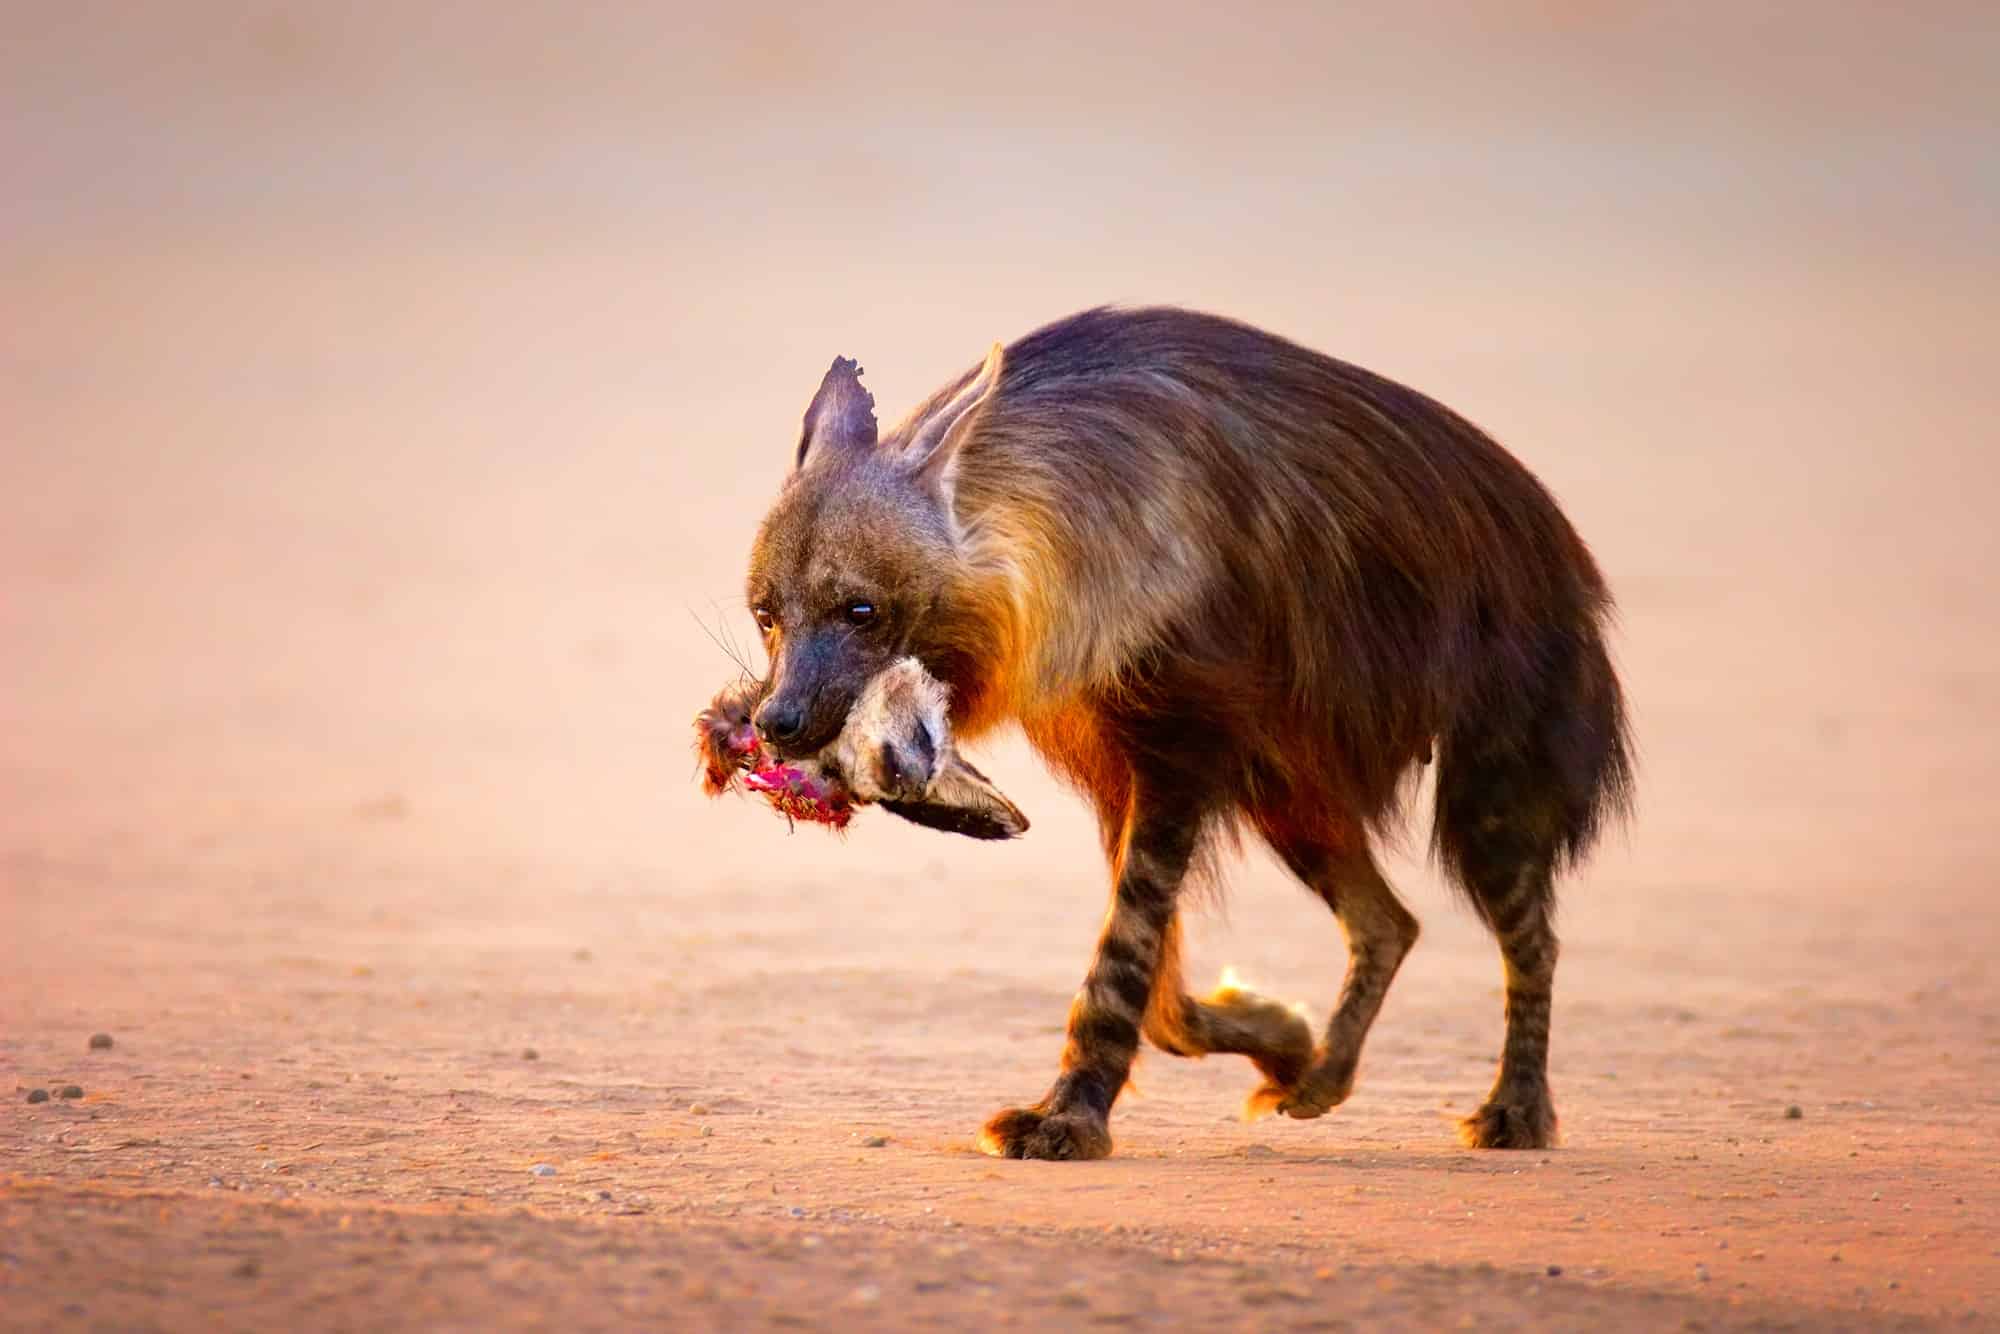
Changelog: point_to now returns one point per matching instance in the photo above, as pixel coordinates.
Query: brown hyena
(1221, 581)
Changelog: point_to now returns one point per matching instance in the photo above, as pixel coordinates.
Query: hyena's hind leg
(1380, 933)
(1230, 1019)
(1520, 793)
(1500, 829)
(1520, 1113)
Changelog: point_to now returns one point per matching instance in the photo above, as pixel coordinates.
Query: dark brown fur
(1221, 581)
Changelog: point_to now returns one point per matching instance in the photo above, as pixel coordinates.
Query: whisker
(716, 640)
(740, 654)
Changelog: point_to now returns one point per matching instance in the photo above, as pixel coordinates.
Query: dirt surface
(321, 1103)
(384, 399)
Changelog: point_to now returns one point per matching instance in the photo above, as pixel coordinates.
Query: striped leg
(1073, 1119)
(1519, 1113)
(1231, 1018)
(1380, 932)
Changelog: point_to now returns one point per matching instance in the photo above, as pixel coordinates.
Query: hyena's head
(856, 558)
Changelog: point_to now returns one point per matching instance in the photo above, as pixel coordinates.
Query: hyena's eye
(860, 613)
(765, 620)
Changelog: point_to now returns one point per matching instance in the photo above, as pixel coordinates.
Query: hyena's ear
(933, 448)
(841, 415)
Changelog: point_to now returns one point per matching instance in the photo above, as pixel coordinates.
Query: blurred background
(389, 392)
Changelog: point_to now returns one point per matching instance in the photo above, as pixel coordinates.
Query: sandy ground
(387, 392)
(370, 1091)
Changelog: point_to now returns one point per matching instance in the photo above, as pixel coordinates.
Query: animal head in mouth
(894, 749)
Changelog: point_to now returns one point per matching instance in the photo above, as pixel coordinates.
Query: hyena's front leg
(1232, 1018)
(1073, 1119)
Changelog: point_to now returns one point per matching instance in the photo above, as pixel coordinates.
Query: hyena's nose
(780, 722)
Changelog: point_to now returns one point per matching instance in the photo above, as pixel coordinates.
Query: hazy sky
(384, 384)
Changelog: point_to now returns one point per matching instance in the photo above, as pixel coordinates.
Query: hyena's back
(1321, 573)
(1244, 583)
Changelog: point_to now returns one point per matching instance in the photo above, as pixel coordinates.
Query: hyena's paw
(1031, 1132)
(1511, 1119)
(1324, 1087)
(1275, 1036)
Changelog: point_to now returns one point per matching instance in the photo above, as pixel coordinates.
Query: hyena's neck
(1047, 610)
(974, 647)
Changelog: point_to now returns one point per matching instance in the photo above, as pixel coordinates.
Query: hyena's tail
(1229, 1019)
(1537, 766)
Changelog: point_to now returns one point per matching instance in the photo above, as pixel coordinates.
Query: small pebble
(1795, 1113)
(72, 1091)
(38, 1095)
(247, 1269)
(706, 1131)
(603, 1194)
(530, 1054)
(874, 1141)
(100, 1042)
(543, 1170)
(697, 1109)
(1555, 1271)
(867, 1294)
